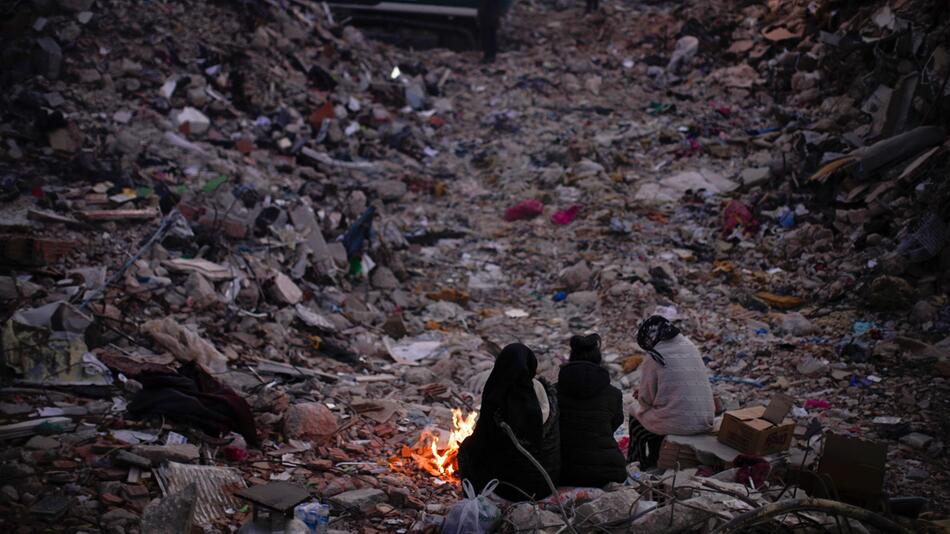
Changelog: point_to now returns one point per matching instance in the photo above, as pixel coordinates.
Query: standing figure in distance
(489, 20)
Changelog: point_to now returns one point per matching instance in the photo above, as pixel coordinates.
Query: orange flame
(443, 462)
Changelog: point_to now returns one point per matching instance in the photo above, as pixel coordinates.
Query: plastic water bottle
(315, 515)
(300, 512)
(311, 517)
(322, 519)
(307, 513)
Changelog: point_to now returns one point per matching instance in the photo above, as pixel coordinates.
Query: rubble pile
(240, 243)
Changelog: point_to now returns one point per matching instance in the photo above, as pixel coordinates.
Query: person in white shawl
(675, 396)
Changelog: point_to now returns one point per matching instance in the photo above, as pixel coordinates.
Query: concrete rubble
(234, 237)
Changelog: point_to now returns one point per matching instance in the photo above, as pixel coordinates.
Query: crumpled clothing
(194, 396)
(527, 209)
(752, 469)
(737, 214)
(358, 234)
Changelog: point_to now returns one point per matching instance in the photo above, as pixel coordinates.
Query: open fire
(440, 457)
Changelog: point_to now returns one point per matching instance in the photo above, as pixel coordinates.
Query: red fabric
(624, 445)
(324, 112)
(235, 454)
(528, 209)
(737, 214)
(752, 468)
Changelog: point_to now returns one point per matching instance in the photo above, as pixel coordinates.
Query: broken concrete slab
(708, 449)
(531, 519)
(917, 440)
(195, 121)
(305, 222)
(42, 443)
(212, 271)
(180, 452)
(284, 290)
(361, 500)
(125, 457)
(174, 513)
(383, 278)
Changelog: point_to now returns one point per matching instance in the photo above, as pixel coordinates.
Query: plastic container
(315, 515)
(322, 525)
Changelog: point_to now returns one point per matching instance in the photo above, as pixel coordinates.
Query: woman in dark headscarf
(591, 410)
(674, 396)
(529, 406)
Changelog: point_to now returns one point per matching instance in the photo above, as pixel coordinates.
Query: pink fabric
(676, 398)
(567, 216)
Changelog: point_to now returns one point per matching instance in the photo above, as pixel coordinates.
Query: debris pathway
(246, 236)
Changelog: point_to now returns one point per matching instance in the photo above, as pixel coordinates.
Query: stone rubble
(196, 180)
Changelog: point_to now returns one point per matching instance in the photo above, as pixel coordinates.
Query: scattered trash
(476, 513)
(737, 215)
(46, 346)
(185, 344)
(411, 351)
(286, 258)
(784, 302)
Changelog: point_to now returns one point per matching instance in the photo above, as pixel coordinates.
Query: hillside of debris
(242, 244)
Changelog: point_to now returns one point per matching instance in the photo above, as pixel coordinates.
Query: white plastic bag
(475, 514)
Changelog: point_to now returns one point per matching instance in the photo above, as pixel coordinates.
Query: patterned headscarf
(652, 331)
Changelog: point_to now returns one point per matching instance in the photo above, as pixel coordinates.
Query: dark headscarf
(509, 392)
(586, 348)
(652, 331)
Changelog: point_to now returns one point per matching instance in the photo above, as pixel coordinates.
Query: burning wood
(437, 458)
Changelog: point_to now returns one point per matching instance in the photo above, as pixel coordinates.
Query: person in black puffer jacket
(529, 406)
(591, 409)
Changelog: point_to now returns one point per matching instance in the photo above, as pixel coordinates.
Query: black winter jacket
(488, 453)
(591, 409)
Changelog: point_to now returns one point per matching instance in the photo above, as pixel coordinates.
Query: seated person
(529, 406)
(675, 396)
(591, 409)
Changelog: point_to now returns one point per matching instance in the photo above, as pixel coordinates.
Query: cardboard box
(746, 431)
(856, 467)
